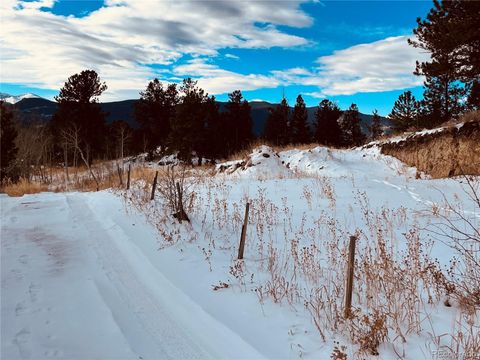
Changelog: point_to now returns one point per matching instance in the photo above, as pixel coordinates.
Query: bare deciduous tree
(71, 139)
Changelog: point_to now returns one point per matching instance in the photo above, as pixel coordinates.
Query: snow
(80, 267)
(75, 286)
(14, 99)
(265, 163)
(410, 135)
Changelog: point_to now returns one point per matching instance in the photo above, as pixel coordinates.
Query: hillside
(124, 110)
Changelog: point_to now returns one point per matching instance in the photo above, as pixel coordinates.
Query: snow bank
(265, 163)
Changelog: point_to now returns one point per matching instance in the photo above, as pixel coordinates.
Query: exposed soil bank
(449, 152)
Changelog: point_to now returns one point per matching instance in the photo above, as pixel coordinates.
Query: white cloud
(379, 66)
(119, 40)
(316, 94)
(231, 56)
(219, 81)
(382, 65)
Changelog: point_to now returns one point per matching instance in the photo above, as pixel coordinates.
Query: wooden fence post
(128, 177)
(154, 186)
(244, 233)
(120, 174)
(180, 214)
(350, 271)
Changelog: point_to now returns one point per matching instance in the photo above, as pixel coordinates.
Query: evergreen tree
(300, 133)
(350, 125)
(376, 127)
(78, 108)
(328, 130)
(405, 112)
(215, 133)
(441, 101)
(8, 134)
(451, 34)
(276, 127)
(155, 111)
(473, 100)
(83, 88)
(188, 126)
(238, 121)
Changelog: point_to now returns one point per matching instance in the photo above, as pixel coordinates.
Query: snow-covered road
(75, 286)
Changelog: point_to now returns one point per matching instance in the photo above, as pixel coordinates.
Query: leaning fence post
(350, 271)
(181, 214)
(179, 196)
(154, 186)
(244, 233)
(120, 175)
(128, 177)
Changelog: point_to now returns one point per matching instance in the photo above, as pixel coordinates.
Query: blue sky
(347, 51)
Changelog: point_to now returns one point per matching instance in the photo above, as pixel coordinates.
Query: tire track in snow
(157, 319)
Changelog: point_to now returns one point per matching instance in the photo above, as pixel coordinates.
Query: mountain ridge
(43, 109)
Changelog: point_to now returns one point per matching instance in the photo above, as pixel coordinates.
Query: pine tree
(441, 101)
(376, 127)
(299, 131)
(8, 134)
(451, 34)
(405, 112)
(328, 130)
(215, 135)
(350, 125)
(155, 111)
(78, 108)
(473, 100)
(238, 121)
(276, 127)
(188, 126)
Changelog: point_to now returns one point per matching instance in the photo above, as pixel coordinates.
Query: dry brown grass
(242, 154)
(22, 187)
(303, 263)
(295, 147)
(448, 153)
(471, 116)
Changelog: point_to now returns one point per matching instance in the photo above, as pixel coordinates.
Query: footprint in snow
(23, 259)
(54, 353)
(20, 308)
(21, 340)
(33, 291)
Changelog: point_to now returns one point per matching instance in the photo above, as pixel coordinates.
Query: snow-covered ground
(110, 275)
(75, 285)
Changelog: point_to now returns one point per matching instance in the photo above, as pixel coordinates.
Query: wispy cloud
(125, 37)
(220, 81)
(119, 39)
(382, 65)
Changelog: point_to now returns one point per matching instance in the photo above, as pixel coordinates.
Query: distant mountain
(39, 108)
(36, 107)
(14, 99)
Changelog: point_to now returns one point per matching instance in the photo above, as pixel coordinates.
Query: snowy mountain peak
(12, 99)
